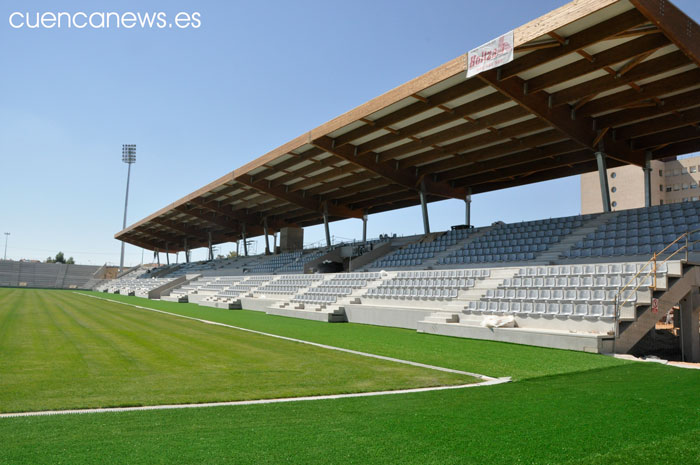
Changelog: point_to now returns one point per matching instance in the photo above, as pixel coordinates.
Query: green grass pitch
(62, 350)
(564, 408)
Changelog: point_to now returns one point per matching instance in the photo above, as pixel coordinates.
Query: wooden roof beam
(457, 113)
(513, 159)
(669, 104)
(345, 182)
(626, 51)
(581, 130)
(590, 36)
(680, 148)
(288, 163)
(176, 226)
(397, 176)
(464, 129)
(666, 137)
(645, 70)
(656, 88)
(531, 178)
(421, 105)
(670, 121)
(555, 161)
(680, 28)
(138, 243)
(211, 219)
(299, 199)
(492, 137)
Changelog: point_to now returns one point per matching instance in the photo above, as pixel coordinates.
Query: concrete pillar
(325, 225)
(424, 209)
(689, 315)
(267, 241)
(245, 242)
(364, 227)
(647, 180)
(211, 248)
(603, 175)
(158, 257)
(468, 208)
(274, 243)
(187, 252)
(167, 253)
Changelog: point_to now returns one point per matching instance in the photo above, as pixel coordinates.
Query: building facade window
(613, 189)
(614, 204)
(693, 169)
(684, 170)
(613, 175)
(661, 187)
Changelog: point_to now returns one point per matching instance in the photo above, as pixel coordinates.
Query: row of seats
(590, 282)
(511, 242)
(458, 283)
(562, 295)
(315, 299)
(544, 308)
(469, 273)
(487, 258)
(412, 293)
(590, 269)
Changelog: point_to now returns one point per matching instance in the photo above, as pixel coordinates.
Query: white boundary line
(487, 380)
(253, 402)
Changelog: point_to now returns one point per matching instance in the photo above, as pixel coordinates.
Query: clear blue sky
(200, 103)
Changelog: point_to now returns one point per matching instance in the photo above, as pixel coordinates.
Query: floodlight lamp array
(129, 153)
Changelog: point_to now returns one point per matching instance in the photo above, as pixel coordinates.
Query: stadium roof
(618, 76)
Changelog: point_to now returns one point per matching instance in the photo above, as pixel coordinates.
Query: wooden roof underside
(616, 75)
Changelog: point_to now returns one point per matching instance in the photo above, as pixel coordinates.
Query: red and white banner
(490, 55)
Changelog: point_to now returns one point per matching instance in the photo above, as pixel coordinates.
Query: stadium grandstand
(495, 343)
(589, 87)
(50, 275)
(586, 88)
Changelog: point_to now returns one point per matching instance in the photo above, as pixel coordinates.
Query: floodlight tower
(6, 236)
(128, 157)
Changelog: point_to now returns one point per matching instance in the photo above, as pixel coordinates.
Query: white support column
(647, 180)
(167, 252)
(424, 208)
(603, 176)
(468, 208)
(267, 241)
(211, 248)
(325, 225)
(187, 252)
(364, 227)
(245, 241)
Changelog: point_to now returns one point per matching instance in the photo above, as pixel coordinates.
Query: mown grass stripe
(301, 341)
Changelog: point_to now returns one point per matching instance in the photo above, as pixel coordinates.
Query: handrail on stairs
(653, 264)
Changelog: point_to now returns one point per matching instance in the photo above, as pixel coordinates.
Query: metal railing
(653, 264)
